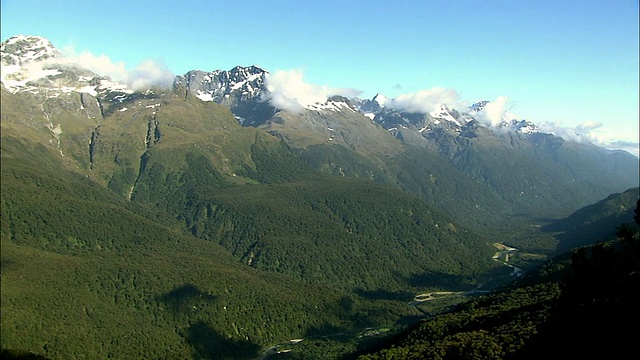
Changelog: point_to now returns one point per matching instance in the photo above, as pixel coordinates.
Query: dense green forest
(294, 225)
(88, 274)
(81, 274)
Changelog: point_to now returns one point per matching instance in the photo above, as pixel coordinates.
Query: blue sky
(566, 63)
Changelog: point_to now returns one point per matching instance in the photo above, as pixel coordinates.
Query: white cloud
(146, 74)
(150, 73)
(287, 90)
(589, 125)
(100, 64)
(587, 131)
(426, 101)
(567, 133)
(494, 113)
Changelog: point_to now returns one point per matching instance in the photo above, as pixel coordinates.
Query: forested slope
(581, 304)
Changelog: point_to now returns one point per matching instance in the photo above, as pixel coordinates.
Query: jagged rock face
(238, 89)
(224, 87)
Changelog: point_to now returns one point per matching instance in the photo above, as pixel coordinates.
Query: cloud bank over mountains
(287, 90)
(146, 74)
(426, 101)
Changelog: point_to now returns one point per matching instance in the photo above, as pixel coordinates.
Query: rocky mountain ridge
(241, 89)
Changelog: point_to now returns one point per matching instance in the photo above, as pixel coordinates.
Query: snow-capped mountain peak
(444, 114)
(222, 86)
(521, 126)
(334, 103)
(21, 49)
(32, 64)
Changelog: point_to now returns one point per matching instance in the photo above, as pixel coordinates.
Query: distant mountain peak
(22, 49)
(333, 103)
(224, 86)
(445, 113)
(371, 107)
(31, 63)
(253, 69)
(478, 106)
(521, 126)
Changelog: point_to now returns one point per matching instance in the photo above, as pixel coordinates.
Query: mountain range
(171, 205)
(542, 168)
